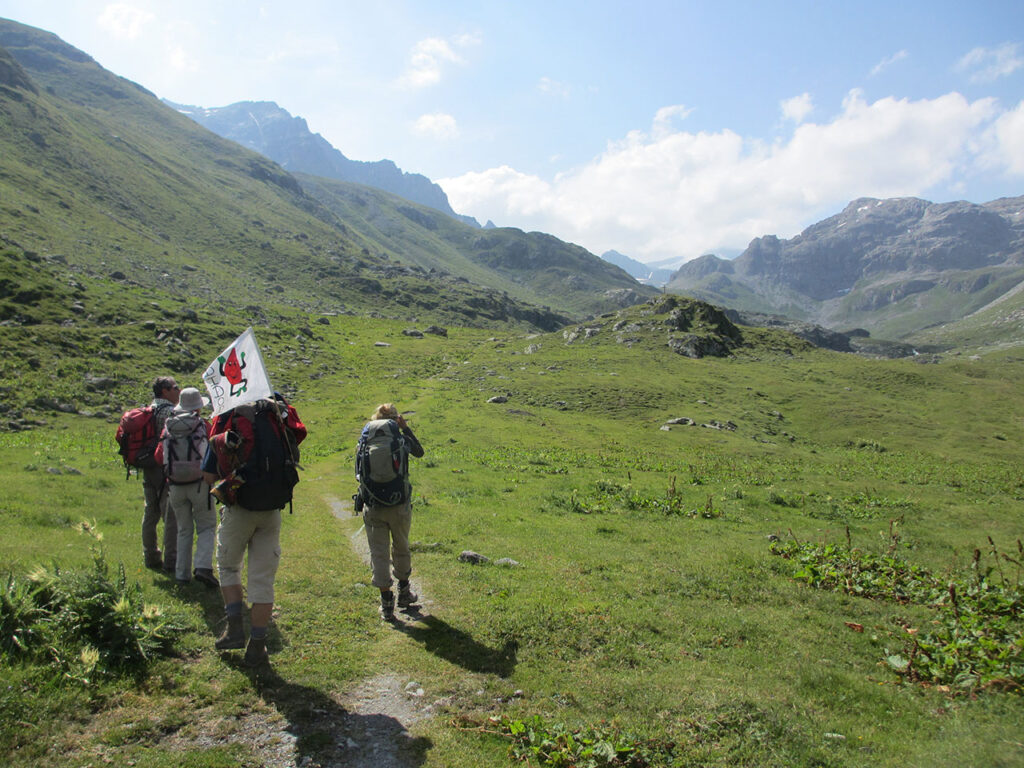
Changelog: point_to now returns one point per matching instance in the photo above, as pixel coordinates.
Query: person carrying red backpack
(251, 466)
(154, 487)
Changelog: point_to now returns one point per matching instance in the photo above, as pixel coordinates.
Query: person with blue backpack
(385, 499)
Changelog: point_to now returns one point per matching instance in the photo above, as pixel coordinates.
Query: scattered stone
(498, 399)
(71, 471)
(507, 562)
(728, 425)
(471, 557)
(381, 344)
(52, 404)
(324, 320)
(53, 470)
(437, 330)
(99, 383)
(532, 349)
(413, 332)
(413, 689)
(419, 546)
(685, 421)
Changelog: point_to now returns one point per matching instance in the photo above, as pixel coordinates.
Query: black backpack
(269, 472)
(382, 464)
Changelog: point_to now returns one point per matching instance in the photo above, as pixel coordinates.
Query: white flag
(237, 376)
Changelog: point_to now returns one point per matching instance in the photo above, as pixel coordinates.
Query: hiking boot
(406, 596)
(387, 606)
(256, 652)
(155, 560)
(233, 637)
(205, 575)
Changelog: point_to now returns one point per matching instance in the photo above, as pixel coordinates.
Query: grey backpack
(382, 464)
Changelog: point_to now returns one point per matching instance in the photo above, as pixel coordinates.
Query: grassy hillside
(95, 170)
(665, 594)
(533, 267)
(996, 325)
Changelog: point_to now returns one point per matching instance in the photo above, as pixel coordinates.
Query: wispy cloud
(677, 194)
(124, 22)
(984, 65)
(1004, 143)
(665, 117)
(436, 126)
(553, 88)
(888, 62)
(797, 108)
(429, 57)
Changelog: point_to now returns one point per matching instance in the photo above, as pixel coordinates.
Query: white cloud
(797, 108)
(123, 21)
(664, 118)
(888, 62)
(984, 65)
(181, 60)
(436, 126)
(429, 56)
(1004, 143)
(665, 194)
(553, 87)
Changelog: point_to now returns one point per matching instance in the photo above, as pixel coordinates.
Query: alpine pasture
(767, 586)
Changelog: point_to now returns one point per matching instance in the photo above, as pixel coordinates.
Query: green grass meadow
(650, 599)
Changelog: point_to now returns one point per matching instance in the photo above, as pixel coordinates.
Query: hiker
(253, 452)
(181, 451)
(154, 486)
(387, 509)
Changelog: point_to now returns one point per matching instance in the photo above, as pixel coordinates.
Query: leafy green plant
(537, 742)
(976, 639)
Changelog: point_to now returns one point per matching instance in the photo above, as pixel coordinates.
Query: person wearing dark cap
(154, 486)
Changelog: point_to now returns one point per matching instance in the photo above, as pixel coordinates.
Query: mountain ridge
(267, 128)
(897, 265)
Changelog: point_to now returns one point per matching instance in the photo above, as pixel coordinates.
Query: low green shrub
(83, 623)
(975, 641)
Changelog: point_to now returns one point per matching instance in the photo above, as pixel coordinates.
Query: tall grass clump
(83, 624)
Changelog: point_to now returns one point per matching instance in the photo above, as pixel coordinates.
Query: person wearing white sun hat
(180, 453)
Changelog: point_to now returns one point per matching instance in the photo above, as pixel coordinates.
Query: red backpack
(137, 438)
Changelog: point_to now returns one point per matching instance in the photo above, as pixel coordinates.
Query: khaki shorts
(258, 534)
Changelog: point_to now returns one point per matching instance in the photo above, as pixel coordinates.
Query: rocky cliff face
(264, 127)
(873, 255)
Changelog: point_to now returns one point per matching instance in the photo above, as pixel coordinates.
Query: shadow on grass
(328, 734)
(208, 598)
(325, 732)
(454, 645)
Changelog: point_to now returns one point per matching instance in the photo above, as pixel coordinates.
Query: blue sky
(663, 130)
